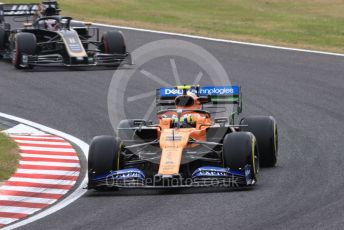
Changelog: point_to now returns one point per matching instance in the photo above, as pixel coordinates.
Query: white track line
(219, 40)
(46, 163)
(21, 210)
(49, 156)
(37, 137)
(34, 189)
(28, 199)
(48, 172)
(4, 220)
(65, 150)
(43, 143)
(43, 181)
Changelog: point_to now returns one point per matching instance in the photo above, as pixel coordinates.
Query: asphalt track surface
(303, 91)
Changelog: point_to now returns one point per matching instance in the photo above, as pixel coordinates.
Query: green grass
(315, 24)
(8, 157)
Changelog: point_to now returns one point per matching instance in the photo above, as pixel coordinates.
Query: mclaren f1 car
(48, 38)
(187, 147)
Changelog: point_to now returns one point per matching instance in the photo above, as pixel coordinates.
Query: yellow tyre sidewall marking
(253, 156)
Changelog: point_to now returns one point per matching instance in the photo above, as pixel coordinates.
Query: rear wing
(208, 95)
(25, 9)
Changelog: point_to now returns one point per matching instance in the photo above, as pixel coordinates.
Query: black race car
(49, 39)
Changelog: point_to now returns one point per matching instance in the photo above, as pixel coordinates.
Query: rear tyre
(2, 41)
(103, 157)
(239, 150)
(2, 38)
(113, 43)
(264, 129)
(25, 43)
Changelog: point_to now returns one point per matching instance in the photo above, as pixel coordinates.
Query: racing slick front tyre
(113, 43)
(239, 150)
(264, 128)
(25, 43)
(103, 157)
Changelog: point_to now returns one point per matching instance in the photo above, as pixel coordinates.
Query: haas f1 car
(187, 147)
(50, 39)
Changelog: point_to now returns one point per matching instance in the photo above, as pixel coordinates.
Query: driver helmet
(187, 101)
(185, 121)
(50, 11)
(51, 24)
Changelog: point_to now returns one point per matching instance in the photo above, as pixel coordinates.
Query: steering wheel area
(53, 23)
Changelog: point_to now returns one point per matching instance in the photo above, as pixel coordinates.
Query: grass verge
(9, 157)
(311, 24)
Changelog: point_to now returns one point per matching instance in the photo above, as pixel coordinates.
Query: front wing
(207, 176)
(99, 59)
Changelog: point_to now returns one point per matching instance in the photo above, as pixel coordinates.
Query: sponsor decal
(203, 91)
(23, 9)
(124, 174)
(219, 91)
(212, 173)
(75, 48)
(216, 171)
(73, 43)
(173, 138)
(128, 175)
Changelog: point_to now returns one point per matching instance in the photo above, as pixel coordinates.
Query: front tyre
(25, 43)
(103, 157)
(239, 150)
(264, 129)
(113, 43)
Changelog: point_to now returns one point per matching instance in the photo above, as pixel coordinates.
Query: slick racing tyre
(25, 43)
(103, 157)
(239, 150)
(264, 129)
(113, 43)
(2, 39)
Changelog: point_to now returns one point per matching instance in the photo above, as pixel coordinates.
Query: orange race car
(187, 147)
